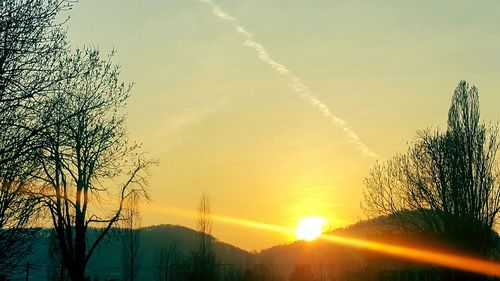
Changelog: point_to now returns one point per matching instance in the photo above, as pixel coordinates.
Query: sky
(219, 97)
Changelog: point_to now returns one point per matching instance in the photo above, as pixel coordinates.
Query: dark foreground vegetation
(65, 161)
(64, 154)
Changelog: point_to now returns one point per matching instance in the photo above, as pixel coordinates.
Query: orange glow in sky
(266, 113)
(426, 256)
(309, 226)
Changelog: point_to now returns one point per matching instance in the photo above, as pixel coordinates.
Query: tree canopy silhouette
(31, 41)
(88, 167)
(449, 179)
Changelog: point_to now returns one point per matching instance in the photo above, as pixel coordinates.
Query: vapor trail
(295, 82)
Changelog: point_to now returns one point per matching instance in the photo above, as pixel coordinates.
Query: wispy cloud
(163, 139)
(295, 82)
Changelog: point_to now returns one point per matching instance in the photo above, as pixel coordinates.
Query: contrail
(295, 82)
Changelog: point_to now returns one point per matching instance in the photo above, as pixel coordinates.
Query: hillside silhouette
(346, 263)
(107, 263)
(331, 259)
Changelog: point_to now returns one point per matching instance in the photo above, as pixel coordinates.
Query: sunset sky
(221, 120)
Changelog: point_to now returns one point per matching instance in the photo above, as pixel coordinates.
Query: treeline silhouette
(224, 272)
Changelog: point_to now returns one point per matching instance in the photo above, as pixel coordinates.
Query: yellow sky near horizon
(220, 119)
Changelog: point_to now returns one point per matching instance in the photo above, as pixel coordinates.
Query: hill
(319, 258)
(107, 260)
(339, 262)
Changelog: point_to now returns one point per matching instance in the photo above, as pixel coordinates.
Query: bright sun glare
(309, 228)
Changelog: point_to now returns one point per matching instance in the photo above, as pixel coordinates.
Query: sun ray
(435, 257)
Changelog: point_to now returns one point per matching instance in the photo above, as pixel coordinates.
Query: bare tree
(204, 225)
(449, 180)
(131, 237)
(17, 209)
(203, 258)
(170, 264)
(30, 43)
(88, 167)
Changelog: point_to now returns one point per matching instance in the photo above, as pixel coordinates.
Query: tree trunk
(77, 272)
(80, 249)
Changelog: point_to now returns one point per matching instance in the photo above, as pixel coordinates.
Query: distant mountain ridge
(333, 258)
(106, 263)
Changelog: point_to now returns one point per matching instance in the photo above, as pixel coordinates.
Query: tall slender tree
(131, 238)
(449, 180)
(203, 258)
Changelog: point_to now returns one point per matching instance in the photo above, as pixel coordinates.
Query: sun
(310, 228)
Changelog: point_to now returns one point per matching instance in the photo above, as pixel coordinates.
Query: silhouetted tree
(88, 168)
(171, 264)
(30, 43)
(450, 180)
(203, 258)
(131, 238)
(17, 209)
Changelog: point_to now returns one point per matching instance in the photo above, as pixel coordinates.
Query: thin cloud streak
(295, 82)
